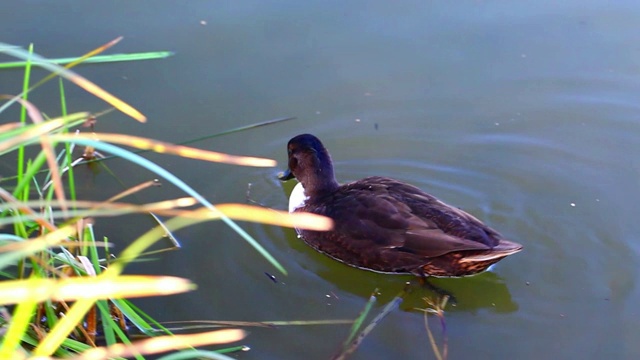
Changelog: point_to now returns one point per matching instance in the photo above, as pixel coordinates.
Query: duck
(385, 225)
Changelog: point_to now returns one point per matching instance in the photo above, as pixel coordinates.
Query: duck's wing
(392, 216)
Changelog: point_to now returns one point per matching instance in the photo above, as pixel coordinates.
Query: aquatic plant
(64, 292)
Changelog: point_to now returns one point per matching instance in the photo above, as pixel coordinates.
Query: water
(524, 114)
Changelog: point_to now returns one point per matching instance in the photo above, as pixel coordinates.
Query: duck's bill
(286, 175)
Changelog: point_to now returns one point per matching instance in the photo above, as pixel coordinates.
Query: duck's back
(385, 225)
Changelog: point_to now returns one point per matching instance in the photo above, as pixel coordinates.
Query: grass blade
(163, 344)
(437, 308)
(203, 354)
(91, 53)
(357, 324)
(91, 288)
(184, 187)
(28, 134)
(354, 341)
(18, 326)
(23, 110)
(96, 59)
(76, 79)
(238, 129)
(28, 248)
(167, 148)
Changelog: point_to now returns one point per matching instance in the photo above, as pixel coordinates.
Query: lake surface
(525, 114)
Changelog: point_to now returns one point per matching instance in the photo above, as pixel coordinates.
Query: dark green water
(523, 113)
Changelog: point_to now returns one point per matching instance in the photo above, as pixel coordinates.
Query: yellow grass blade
(49, 153)
(273, 217)
(32, 111)
(47, 148)
(167, 148)
(169, 208)
(10, 126)
(90, 288)
(133, 190)
(62, 329)
(13, 252)
(162, 344)
(41, 129)
(104, 95)
(11, 203)
(76, 79)
(85, 209)
(80, 59)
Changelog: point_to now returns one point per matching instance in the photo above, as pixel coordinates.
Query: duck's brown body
(388, 226)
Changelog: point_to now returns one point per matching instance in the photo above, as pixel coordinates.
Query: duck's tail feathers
(503, 249)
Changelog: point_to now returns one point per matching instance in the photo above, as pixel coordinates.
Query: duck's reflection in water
(486, 290)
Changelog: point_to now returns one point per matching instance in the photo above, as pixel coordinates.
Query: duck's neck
(321, 180)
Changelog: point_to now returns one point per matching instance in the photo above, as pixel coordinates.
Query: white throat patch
(297, 198)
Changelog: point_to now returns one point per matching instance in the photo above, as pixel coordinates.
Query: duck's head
(310, 163)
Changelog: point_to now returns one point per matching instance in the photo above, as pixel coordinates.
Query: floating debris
(273, 278)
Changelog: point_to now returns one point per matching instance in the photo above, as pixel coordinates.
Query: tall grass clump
(63, 291)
